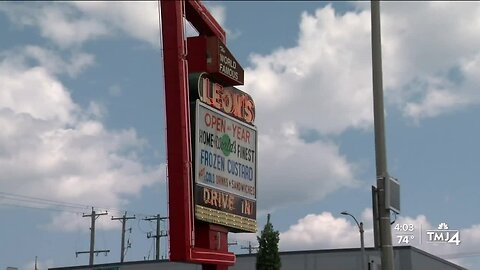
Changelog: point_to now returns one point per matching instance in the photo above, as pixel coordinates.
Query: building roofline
(293, 252)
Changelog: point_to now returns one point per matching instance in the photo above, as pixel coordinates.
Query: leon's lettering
(229, 100)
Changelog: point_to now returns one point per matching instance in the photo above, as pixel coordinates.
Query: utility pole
(380, 146)
(250, 247)
(123, 219)
(158, 235)
(92, 251)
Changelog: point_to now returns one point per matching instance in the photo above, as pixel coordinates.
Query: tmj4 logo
(443, 235)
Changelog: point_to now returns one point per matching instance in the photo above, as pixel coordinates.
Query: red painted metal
(178, 131)
(212, 248)
(203, 21)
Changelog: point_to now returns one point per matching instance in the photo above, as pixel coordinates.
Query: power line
(40, 208)
(47, 204)
(37, 200)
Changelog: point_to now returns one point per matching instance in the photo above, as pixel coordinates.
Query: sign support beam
(178, 130)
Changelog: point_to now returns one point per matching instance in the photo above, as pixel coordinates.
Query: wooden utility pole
(123, 219)
(92, 251)
(158, 235)
(249, 247)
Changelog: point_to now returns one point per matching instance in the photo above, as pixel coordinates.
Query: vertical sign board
(225, 170)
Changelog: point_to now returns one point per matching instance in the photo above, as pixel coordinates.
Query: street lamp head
(348, 214)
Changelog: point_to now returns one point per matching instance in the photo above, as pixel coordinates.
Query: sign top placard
(209, 54)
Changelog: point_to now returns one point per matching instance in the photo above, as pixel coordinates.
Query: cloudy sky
(83, 123)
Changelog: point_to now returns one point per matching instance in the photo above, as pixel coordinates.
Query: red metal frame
(203, 21)
(178, 130)
(182, 226)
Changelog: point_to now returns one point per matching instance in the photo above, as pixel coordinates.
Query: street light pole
(380, 145)
(362, 242)
(362, 246)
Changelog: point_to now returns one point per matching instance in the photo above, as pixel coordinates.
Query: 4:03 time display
(406, 227)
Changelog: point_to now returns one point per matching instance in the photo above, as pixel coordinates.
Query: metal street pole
(380, 148)
(362, 247)
(362, 242)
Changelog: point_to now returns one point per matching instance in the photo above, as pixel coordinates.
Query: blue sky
(83, 124)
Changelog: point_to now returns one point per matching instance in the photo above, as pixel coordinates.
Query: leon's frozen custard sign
(224, 137)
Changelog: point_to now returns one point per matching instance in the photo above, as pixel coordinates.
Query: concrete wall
(422, 260)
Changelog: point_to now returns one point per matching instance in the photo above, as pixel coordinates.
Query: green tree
(268, 257)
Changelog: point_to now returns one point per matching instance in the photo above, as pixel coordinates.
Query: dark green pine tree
(268, 257)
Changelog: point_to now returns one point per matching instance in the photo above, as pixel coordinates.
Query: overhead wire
(39, 208)
(37, 200)
(37, 203)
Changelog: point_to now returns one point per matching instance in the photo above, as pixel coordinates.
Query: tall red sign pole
(183, 232)
(178, 129)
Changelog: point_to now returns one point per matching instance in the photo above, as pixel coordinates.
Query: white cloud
(59, 25)
(34, 91)
(321, 83)
(324, 82)
(322, 87)
(50, 145)
(219, 12)
(435, 102)
(80, 221)
(70, 24)
(51, 61)
(138, 19)
(427, 52)
(298, 172)
(319, 232)
(319, 87)
(57, 22)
